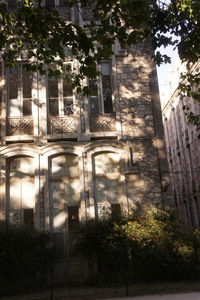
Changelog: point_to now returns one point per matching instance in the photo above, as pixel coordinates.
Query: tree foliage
(43, 34)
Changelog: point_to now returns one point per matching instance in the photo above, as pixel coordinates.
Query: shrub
(24, 257)
(150, 247)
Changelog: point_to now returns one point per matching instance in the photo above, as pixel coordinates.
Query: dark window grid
(20, 88)
(101, 95)
(60, 94)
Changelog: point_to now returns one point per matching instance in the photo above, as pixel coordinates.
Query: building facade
(66, 158)
(183, 150)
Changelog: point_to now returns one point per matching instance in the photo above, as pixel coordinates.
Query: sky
(164, 69)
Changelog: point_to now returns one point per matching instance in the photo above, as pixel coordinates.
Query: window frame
(100, 92)
(61, 98)
(20, 99)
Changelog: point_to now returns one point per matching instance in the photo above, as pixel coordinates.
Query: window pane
(68, 106)
(93, 87)
(105, 68)
(107, 94)
(14, 108)
(49, 3)
(53, 107)
(115, 211)
(53, 87)
(13, 83)
(67, 89)
(27, 83)
(28, 217)
(27, 107)
(94, 105)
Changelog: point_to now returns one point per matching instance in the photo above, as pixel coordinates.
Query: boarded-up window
(21, 191)
(107, 182)
(64, 192)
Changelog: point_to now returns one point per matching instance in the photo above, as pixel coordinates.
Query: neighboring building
(183, 150)
(66, 158)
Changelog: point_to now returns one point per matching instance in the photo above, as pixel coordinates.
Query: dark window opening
(107, 94)
(68, 107)
(67, 89)
(27, 83)
(28, 217)
(115, 211)
(53, 107)
(49, 3)
(73, 217)
(27, 107)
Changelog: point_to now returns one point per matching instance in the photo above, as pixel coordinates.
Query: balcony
(19, 126)
(102, 122)
(63, 125)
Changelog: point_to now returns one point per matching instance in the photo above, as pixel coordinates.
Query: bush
(146, 248)
(24, 258)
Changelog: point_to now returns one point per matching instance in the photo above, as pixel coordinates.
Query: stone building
(66, 158)
(183, 150)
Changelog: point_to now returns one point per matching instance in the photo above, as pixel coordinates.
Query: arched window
(21, 190)
(107, 184)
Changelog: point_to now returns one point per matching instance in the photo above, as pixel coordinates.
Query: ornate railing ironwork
(64, 124)
(19, 126)
(102, 122)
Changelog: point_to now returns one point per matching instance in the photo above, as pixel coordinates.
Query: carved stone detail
(102, 122)
(65, 124)
(19, 126)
